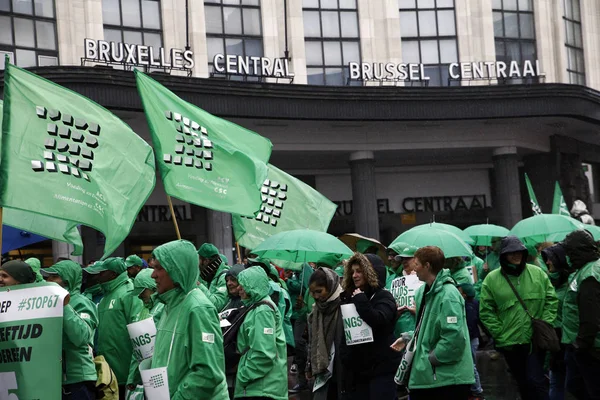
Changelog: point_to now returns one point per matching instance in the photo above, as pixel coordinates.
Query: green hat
(134, 261)
(208, 250)
(115, 264)
(408, 252)
(398, 247)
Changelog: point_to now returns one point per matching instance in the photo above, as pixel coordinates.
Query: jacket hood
(379, 267)
(208, 250)
(142, 281)
(235, 270)
(557, 255)
(70, 272)
(443, 277)
(180, 259)
(579, 208)
(581, 248)
(255, 282)
(512, 244)
(35, 265)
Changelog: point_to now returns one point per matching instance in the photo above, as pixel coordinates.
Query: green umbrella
(483, 233)
(302, 245)
(448, 228)
(593, 229)
(451, 244)
(545, 227)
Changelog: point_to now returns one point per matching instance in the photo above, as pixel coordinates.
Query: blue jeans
(476, 387)
(557, 384)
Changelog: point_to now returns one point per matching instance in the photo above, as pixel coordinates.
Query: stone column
(508, 190)
(364, 195)
(64, 250)
(220, 233)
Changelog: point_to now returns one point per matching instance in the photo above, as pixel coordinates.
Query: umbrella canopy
(593, 229)
(545, 227)
(360, 243)
(448, 228)
(482, 234)
(451, 244)
(13, 238)
(302, 245)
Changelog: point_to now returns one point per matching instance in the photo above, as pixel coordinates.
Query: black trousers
(455, 392)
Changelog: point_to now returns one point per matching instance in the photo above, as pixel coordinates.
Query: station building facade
(400, 111)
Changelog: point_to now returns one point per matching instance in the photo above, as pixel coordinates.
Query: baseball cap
(116, 264)
(408, 252)
(134, 260)
(46, 272)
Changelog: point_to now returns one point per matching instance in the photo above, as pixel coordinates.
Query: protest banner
(143, 336)
(356, 330)
(403, 289)
(31, 326)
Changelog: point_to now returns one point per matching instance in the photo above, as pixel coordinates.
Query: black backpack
(236, 319)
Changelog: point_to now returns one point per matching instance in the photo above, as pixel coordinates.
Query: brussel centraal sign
(137, 55)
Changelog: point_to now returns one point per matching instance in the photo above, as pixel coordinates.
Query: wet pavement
(496, 382)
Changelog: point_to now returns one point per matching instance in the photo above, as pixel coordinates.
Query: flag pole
(239, 254)
(1, 229)
(173, 217)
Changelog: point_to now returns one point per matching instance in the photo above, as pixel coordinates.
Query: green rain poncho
(196, 366)
(217, 287)
(79, 324)
(262, 371)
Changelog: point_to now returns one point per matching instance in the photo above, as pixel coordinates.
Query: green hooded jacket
(35, 265)
(298, 284)
(262, 371)
(80, 320)
(154, 308)
(217, 288)
(196, 365)
(478, 264)
(285, 307)
(570, 318)
(443, 350)
(94, 294)
(503, 315)
(461, 275)
(116, 310)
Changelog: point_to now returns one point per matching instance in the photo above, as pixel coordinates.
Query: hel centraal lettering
(257, 66)
(114, 52)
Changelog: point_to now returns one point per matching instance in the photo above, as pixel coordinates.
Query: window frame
(580, 74)
(141, 29)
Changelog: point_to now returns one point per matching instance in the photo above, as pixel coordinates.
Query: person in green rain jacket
(458, 270)
(508, 323)
(212, 273)
(144, 288)
(35, 265)
(442, 364)
(116, 310)
(189, 342)
(80, 320)
(262, 371)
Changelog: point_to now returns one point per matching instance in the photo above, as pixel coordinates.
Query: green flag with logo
(43, 225)
(287, 204)
(559, 206)
(203, 159)
(66, 157)
(535, 207)
(31, 326)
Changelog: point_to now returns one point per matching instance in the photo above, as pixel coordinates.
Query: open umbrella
(449, 228)
(451, 244)
(302, 245)
(545, 227)
(360, 243)
(483, 233)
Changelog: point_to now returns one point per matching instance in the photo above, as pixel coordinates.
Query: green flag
(203, 159)
(52, 228)
(31, 327)
(287, 204)
(66, 157)
(535, 207)
(558, 205)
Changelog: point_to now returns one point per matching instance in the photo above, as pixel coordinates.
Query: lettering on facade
(480, 70)
(152, 213)
(252, 66)
(422, 204)
(137, 55)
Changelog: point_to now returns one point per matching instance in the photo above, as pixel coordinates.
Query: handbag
(544, 336)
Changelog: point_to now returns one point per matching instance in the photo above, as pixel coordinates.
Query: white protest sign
(143, 335)
(155, 381)
(470, 270)
(356, 330)
(403, 289)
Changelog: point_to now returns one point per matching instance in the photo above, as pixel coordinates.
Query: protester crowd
(227, 331)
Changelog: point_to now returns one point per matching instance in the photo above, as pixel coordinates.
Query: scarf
(323, 321)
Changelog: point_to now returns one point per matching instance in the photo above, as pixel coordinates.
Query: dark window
(233, 27)
(514, 34)
(574, 42)
(133, 22)
(332, 40)
(428, 31)
(28, 32)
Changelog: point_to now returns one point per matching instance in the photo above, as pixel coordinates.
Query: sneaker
(294, 369)
(299, 387)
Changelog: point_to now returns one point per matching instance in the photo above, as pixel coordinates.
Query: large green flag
(31, 327)
(203, 159)
(287, 204)
(559, 206)
(66, 157)
(52, 228)
(535, 207)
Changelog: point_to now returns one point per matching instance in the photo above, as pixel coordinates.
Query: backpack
(236, 319)
(106, 385)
